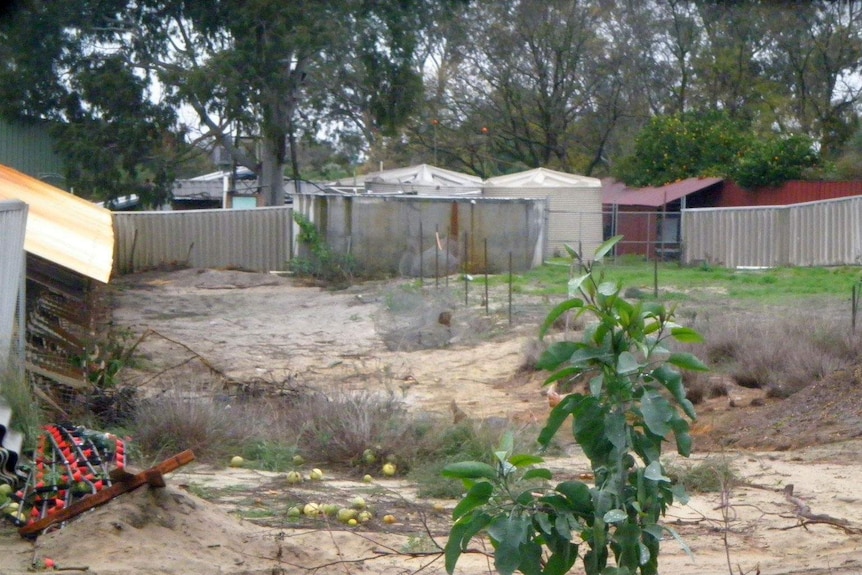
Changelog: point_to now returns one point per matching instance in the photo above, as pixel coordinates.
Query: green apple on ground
(389, 470)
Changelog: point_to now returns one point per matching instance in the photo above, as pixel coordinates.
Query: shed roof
(420, 175)
(424, 174)
(616, 193)
(542, 178)
(61, 227)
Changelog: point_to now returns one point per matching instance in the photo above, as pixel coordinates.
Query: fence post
(437, 255)
(421, 257)
(486, 276)
(510, 288)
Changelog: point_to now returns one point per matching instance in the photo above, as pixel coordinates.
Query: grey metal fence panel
(812, 234)
(13, 223)
(383, 232)
(258, 240)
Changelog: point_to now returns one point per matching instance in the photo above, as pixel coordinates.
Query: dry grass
(779, 354)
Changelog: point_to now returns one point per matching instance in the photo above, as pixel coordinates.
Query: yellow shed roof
(61, 227)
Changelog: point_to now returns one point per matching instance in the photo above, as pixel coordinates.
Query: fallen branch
(803, 513)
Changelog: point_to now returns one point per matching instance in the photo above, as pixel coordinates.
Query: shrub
(810, 348)
(175, 422)
(26, 415)
(321, 262)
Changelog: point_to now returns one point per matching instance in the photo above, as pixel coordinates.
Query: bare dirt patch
(229, 332)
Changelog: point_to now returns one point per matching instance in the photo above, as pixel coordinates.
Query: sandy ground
(252, 331)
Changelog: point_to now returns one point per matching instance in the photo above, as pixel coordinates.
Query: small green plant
(636, 399)
(321, 263)
(15, 389)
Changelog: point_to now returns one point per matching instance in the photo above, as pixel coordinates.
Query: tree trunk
(271, 170)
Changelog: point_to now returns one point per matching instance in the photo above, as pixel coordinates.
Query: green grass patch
(774, 285)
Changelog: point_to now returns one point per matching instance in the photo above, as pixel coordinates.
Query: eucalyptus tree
(268, 69)
(116, 139)
(816, 52)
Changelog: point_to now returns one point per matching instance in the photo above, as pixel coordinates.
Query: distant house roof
(543, 178)
(617, 193)
(421, 178)
(62, 228)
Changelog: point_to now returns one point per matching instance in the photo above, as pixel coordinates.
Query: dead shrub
(780, 354)
(175, 422)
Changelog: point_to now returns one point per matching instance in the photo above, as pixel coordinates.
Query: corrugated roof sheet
(544, 178)
(61, 227)
(616, 193)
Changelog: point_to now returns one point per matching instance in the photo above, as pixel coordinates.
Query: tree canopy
(483, 86)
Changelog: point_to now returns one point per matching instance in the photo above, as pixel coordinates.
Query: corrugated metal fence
(258, 240)
(823, 233)
(13, 222)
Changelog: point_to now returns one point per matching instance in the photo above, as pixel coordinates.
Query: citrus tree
(633, 400)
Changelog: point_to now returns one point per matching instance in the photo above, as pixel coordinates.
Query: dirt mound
(826, 411)
(154, 531)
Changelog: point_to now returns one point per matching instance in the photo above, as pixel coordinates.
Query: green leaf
(559, 310)
(571, 251)
(606, 247)
(470, 470)
(556, 418)
(687, 361)
(563, 374)
(627, 363)
(544, 522)
(614, 516)
(562, 561)
(557, 354)
(478, 495)
(682, 436)
(509, 533)
(459, 537)
(596, 384)
(578, 494)
(616, 430)
(655, 472)
(538, 473)
(657, 413)
(686, 335)
(609, 289)
(525, 460)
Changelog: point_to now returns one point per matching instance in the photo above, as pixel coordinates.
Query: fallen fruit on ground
(358, 503)
(236, 461)
(294, 477)
(330, 509)
(368, 456)
(367, 478)
(294, 512)
(345, 515)
(298, 459)
(389, 519)
(389, 469)
(353, 522)
(364, 516)
(316, 474)
(311, 509)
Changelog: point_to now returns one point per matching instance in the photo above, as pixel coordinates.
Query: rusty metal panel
(62, 228)
(257, 240)
(13, 222)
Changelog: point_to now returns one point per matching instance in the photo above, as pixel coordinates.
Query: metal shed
(575, 205)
